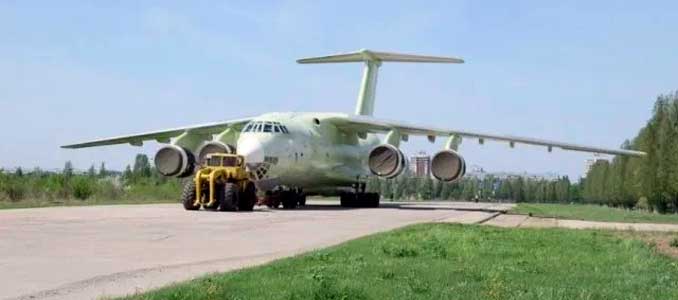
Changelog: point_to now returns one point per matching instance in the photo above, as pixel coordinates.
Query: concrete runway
(88, 252)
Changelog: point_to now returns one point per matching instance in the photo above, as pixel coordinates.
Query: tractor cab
(224, 160)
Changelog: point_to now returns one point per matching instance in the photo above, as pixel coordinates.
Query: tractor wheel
(248, 197)
(188, 196)
(231, 197)
(289, 199)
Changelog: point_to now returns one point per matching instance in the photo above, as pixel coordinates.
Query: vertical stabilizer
(373, 60)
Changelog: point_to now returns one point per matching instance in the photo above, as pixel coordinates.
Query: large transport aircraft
(294, 154)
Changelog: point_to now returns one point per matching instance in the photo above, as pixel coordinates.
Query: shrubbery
(143, 184)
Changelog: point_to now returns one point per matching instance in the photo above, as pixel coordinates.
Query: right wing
(369, 124)
(163, 136)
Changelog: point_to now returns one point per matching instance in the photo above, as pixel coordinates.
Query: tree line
(649, 182)
(488, 188)
(139, 181)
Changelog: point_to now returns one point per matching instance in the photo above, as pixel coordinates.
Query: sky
(585, 72)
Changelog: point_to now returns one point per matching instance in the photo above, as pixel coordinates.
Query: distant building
(420, 164)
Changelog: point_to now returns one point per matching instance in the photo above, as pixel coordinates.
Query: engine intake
(448, 165)
(213, 147)
(386, 161)
(172, 160)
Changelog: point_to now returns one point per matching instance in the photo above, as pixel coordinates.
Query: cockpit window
(265, 126)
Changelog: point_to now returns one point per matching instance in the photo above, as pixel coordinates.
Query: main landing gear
(359, 198)
(289, 199)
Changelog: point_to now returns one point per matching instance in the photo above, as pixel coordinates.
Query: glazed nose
(251, 149)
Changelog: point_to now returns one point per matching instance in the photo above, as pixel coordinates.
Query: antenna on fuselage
(373, 60)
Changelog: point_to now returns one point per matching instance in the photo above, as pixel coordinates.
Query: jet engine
(213, 147)
(172, 160)
(386, 161)
(448, 166)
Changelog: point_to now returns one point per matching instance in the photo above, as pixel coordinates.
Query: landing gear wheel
(231, 197)
(347, 200)
(188, 196)
(359, 200)
(289, 199)
(372, 199)
(248, 198)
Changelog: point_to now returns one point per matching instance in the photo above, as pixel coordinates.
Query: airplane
(294, 154)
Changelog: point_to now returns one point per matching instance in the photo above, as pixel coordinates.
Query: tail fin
(373, 60)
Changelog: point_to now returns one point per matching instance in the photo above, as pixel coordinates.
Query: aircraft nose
(252, 150)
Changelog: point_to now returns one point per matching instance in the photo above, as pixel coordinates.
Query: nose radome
(251, 149)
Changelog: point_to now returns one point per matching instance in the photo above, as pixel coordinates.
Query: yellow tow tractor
(221, 183)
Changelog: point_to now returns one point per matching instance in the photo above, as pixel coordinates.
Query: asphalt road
(88, 252)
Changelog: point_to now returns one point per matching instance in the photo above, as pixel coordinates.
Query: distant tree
(425, 188)
(91, 172)
(142, 166)
(102, 170)
(128, 175)
(19, 172)
(68, 169)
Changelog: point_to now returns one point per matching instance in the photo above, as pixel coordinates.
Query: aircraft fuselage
(299, 150)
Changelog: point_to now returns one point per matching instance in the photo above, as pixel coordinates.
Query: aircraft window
(260, 126)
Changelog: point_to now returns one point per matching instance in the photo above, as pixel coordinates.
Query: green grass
(448, 261)
(592, 213)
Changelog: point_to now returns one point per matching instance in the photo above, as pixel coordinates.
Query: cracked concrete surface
(89, 252)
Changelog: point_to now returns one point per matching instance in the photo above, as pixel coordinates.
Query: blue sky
(577, 71)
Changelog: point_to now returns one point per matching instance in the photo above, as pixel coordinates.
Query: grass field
(592, 213)
(447, 261)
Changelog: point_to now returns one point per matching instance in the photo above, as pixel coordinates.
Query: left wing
(163, 136)
(372, 125)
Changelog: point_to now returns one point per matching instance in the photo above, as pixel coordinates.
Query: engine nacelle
(172, 160)
(386, 161)
(448, 166)
(213, 147)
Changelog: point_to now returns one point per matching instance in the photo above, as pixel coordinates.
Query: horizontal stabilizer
(367, 55)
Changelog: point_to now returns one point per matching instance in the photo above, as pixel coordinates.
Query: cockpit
(265, 126)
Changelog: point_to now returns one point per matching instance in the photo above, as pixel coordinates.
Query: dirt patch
(662, 242)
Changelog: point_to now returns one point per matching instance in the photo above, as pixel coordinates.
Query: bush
(15, 190)
(83, 187)
(107, 189)
(674, 242)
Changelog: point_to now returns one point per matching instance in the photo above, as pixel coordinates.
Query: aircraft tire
(372, 199)
(302, 199)
(188, 196)
(289, 199)
(248, 198)
(348, 199)
(231, 197)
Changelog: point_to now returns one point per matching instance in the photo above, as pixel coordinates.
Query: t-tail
(373, 60)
